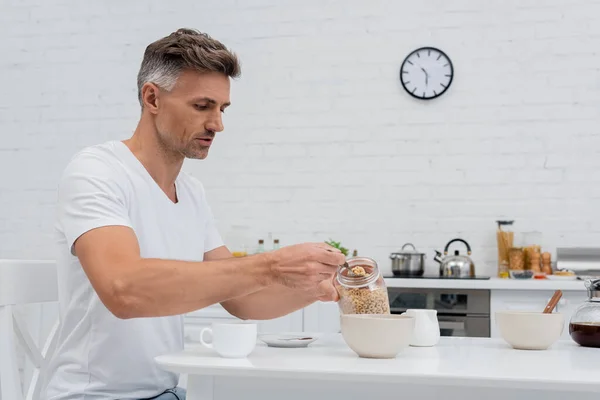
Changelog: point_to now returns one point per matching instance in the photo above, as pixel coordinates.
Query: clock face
(426, 73)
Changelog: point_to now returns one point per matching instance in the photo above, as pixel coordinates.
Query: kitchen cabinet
(322, 317)
(290, 323)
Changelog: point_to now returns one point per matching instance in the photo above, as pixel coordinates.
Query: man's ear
(151, 97)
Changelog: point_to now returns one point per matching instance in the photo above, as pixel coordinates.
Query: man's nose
(215, 123)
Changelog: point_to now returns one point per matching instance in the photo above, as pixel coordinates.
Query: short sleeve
(90, 195)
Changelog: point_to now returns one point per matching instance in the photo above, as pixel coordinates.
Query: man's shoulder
(94, 159)
(98, 152)
(97, 165)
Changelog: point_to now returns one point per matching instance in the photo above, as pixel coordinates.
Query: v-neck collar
(136, 163)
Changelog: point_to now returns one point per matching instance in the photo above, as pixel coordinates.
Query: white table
(456, 368)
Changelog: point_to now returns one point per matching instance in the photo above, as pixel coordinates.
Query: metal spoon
(350, 272)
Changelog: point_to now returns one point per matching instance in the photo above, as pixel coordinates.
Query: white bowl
(530, 330)
(377, 336)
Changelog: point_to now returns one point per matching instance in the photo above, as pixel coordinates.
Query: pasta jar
(361, 288)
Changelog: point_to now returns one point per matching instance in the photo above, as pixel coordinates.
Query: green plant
(337, 245)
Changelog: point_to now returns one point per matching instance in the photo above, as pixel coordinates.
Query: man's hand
(307, 266)
(326, 291)
(296, 277)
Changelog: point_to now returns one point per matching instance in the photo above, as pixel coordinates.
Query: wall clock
(426, 73)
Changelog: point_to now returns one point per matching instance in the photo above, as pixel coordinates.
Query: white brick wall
(321, 140)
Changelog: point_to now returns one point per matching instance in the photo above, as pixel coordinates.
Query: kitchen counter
(492, 284)
(462, 367)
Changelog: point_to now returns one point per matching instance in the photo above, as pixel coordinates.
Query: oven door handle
(452, 325)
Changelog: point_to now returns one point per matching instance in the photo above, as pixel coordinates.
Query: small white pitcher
(427, 328)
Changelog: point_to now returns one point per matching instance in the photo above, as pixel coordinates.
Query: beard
(193, 148)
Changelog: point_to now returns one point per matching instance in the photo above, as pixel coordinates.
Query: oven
(460, 312)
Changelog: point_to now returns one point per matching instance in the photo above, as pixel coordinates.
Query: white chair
(24, 282)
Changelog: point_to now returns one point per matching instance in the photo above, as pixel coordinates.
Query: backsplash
(321, 140)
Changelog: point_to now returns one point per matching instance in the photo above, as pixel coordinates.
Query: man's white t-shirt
(98, 356)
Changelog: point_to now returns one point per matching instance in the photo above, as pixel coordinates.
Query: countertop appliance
(460, 312)
(584, 261)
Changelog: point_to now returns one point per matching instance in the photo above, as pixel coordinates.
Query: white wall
(321, 140)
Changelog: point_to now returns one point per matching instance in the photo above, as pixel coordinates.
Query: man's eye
(200, 107)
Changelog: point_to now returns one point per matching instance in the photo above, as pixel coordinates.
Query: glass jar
(505, 241)
(531, 242)
(584, 326)
(516, 259)
(362, 293)
(238, 239)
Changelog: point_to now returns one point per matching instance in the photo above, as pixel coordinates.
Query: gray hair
(166, 58)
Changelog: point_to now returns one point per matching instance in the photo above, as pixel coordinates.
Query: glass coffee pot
(584, 326)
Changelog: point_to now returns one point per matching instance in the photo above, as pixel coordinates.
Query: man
(138, 245)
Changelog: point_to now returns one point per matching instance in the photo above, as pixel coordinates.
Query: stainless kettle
(456, 265)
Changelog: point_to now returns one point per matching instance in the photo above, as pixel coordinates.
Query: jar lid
(504, 222)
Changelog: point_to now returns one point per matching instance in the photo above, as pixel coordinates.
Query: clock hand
(426, 76)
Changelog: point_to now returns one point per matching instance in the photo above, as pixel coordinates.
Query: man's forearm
(267, 303)
(272, 302)
(159, 287)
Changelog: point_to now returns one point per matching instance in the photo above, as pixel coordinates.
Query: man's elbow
(246, 311)
(235, 309)
(120, 301)
(121, 312)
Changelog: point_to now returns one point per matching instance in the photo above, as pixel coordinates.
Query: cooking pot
(456, 265)
(408, 263)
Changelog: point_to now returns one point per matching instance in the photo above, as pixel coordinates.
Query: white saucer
(288, 340)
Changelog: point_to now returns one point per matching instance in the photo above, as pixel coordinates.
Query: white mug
(231, 339)
(427, 328)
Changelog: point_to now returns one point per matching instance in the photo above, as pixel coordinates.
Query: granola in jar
(361, 288)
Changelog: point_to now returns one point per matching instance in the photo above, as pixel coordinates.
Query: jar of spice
(535, 260)
(547, 263)
(361, 288)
